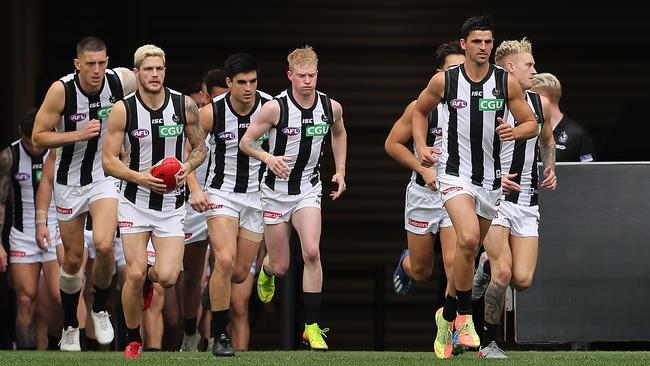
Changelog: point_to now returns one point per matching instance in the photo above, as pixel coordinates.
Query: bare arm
(129, 83)
(195, 136)
(113, 142)
(526, 127)
(250, 145)
(198, 199)
(427, 102)
(48, 116)
(547, 147)
(339, 149)
(6, 161)
(42, 202)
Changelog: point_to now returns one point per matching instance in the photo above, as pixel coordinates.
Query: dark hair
(27, 124)
(446, 49)
(238, 63)
(192, 87)
(92, 44)
(215, 78)
(478, 23)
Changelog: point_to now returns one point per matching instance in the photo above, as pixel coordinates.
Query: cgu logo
(490, 105)
(291, 131)
(170, 131)
(140, 133)
(317, 130)
(21, 177)
(104, 112)
(78, 117)
(436, 131)
(226, 136)
(457, 103)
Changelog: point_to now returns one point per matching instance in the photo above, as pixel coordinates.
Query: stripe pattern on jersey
(471, 145)
(26, 173)
(230, 169)
(150, 136)
(520, 157)
(299, 135)
(80, 163)
(435, 121)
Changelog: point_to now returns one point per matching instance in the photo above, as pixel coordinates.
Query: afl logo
(21, 177)
(291, 131)
(140, 133)
(78, 117)
(458, 103)
(226, 136)
(436, 131)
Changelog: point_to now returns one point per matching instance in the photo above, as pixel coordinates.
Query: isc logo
(291, 131)
(170, 131)
(490, 105)
(306, 121)
(317, 130)
(156, 121)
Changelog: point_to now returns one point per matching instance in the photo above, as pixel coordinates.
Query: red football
(166, 169)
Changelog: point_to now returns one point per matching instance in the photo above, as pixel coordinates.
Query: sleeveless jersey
(80, 163)
(26, 175)
(150, 136)
(230, 169)
(471, 145)
(520, 157)
(435, 123)
(299, 135)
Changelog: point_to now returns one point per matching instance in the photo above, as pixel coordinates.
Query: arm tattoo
(195, 134)
(6, 161)
(495, 296)
(548, 155)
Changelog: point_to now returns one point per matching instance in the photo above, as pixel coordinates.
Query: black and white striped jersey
(80, 163)
(520, 157)
(471, 145)
(26, 175)
(299, 135)
(435, 124)
(230, 169)
(150, 136)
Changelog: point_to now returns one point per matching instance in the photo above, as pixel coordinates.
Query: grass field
(307, 358)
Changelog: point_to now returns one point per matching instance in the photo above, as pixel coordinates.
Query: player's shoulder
(265, 96)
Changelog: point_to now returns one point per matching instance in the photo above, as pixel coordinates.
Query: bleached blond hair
(507, 48)
(304, 56)
(549, 84)
(145, 51)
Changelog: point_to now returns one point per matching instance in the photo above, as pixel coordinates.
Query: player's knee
(167, 279)
(501, 275)
(279, 269)
(523, 283)
(104, 248)
(420, 273)
(136, 277)
(239, 275)
(468, 241)
(225, 262)
(311, 254)
(72, 263)
(26, 301)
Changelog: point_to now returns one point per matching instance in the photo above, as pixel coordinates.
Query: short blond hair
(145, 51)
(507, 48)
(550, 84)
(302, 57)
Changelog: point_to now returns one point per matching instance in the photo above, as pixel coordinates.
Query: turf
(280, 358)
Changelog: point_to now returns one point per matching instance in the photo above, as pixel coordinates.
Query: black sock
(219, 322)
(464, 302)
(312, 307)
(489, 333)
(82, 339)
(92, 345)
(133, 335)
(69, 303)
(486, 268)
(152, 349)
(100, 295)
(450, 308)
(190, 326)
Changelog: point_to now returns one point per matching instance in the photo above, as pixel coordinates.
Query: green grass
(307, 358)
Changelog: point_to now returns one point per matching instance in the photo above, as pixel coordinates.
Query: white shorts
(487, 201)
(423, 210)
(522, 220)
(196, 227)
(245, 207)
(23, 248)
(151, 253)
(278, 207)
(132, 219)
(71, 201)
